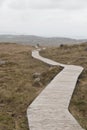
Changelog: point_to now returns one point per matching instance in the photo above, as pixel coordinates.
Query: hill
(33, 40)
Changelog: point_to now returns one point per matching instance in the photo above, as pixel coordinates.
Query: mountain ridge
(33, 40)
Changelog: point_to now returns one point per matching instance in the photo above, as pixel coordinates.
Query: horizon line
(19, 34)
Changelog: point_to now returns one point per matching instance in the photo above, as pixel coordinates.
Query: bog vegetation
(75, 55)
(17, 86)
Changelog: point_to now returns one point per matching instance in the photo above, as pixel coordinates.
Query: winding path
(49, 111)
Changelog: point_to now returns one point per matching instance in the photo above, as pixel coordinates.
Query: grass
(76, 55)
(17, 88)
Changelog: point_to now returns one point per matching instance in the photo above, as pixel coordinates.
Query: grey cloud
(30, 4)
(48, 4)
(1, 2)
(18, 4)
(73, 4)
(26, 16)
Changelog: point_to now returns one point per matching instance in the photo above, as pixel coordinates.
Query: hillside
(33, 40)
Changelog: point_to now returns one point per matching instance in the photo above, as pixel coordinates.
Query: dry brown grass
(16, 84)
(77, 55)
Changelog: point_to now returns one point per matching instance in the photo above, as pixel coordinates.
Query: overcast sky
(65, 18)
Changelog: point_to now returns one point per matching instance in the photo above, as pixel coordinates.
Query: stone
(36, 75)
(2, 62)
(37, 82)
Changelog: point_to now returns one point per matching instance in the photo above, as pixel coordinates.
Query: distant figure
(61, 45)
(37, 46)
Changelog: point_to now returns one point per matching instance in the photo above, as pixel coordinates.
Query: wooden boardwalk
(49, 111)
